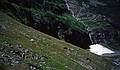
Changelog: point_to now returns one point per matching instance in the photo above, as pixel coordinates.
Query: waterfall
(68, 7)
(69, 4)
(95, 48)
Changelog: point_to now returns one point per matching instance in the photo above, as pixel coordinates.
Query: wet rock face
(110, 9)
(117, 62)
(102, 35)
(78, 38)
(96, 10)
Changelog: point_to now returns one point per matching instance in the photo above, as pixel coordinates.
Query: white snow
(99, 49)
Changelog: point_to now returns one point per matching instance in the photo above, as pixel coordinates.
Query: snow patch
(99, 49)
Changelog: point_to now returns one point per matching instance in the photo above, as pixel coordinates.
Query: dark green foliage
(47, 11)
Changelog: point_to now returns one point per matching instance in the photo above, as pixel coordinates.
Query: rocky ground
(15, 55)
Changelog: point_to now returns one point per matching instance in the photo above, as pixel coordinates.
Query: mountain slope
(57, 54)
(101, 22)
(49, 16)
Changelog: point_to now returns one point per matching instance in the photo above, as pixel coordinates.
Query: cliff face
(100, 18)
(109, 9)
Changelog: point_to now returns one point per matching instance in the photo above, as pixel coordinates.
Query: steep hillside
(49, 34)
(86, 24)
(100, 18)
(49, 16)
(41, 51)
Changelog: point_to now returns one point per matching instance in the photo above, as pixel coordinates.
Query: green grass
(58, 57)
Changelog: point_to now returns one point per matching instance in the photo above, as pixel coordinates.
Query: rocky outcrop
(13, 55)
(90, 10)
(102, 35)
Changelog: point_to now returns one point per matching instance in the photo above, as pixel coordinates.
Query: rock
(32, 40)
(2, 28)
(65, 48)
(66, 66)
(18, 46)
(88, 60)
(14, 55)
(116, 62)
(2, 61)
(102, 35)
(35, 56)
(61, 34)
(32, 67)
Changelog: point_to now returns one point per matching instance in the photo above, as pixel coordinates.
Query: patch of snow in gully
(99, 49)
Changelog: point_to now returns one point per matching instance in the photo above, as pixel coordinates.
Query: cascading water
(94, 48)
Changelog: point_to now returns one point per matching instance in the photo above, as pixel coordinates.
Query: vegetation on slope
(42, 15)
(57, 54)
(99, 19)
(50, 18)
(40, 11)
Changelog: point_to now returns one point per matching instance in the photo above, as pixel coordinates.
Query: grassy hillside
(57, 55)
